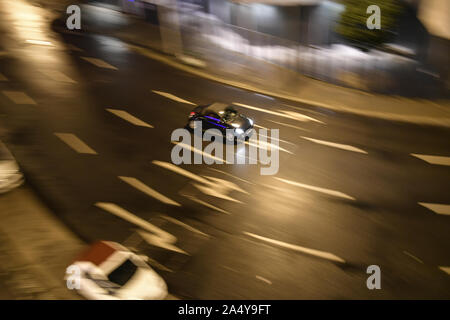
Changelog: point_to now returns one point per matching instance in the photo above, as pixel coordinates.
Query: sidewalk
(260, 76)
(35, 249)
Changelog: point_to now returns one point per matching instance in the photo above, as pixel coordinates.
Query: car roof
(217, 106)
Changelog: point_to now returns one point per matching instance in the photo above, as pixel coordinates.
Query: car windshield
(123, 273)
(229, 114)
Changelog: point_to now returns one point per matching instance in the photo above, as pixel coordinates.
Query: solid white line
(184, 225)
(157, 236)
(318, 189)
(206, 204)
(99, 63)
(437, 207)
(335, 145)
(172, 97)
(280, 113)
(57, 76)
(191, 148)
(445, 269)
(148, 191)
(3, 78)
(263, 279)
(75, 143)
(313, 252)
(19, 97)
(130, 118)
(439, 160)
(288, 125)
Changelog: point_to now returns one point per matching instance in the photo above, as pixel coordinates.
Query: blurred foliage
(353, 21)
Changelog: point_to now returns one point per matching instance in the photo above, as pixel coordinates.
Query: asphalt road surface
(69, 106)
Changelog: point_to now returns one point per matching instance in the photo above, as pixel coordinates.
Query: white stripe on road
(206, 204)
(19, 97)
(230, 175)
(156, 237)
(313, 252)
(288, 125)
(335, 145)
(99, 63)
(281, 113)
(172, 97)
(184, 225)
(445, 269)
(3, 78)
(318, 189)
(207, 155)
(264, 145)
(263, 279)
(177, 169)
(75, 143)
(57, 76)
(130, 118)
(40, 42)
(148, 191)
(439, 160)
(437, 208)
(412, 256)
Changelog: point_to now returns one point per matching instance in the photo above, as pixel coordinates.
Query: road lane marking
(206, 204)
(148, 191)
(172, 97)
(412, 256)
(154, 235)
(439, 160)
(184, 225)
(263, 279)
(318, 189)
(437, 207)
(130, 118)
(288, 125)
(207, 155)
(313, 252)
(445, 269)
(335, 145)
(3, 78)
(99, 63)
(75, 143)
(19, 97)
(261, 127)
(264, 145)
(58, 76)
(230, 175)
(281, 113)
(39, 42)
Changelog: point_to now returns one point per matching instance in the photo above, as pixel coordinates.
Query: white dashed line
(191, 148)
(445, 269)
(313, 252)
(148, 191)
(412, 256)
(58, 76)
(130, 118)
(439, 160)
(335, 145)
(289, 125)
(318, 189)
(206, 204)
(99, 63)
(40, 42)
(184, 225)
(230, 175)
(75, 143)
(437, 207)
(19, 97)
(264, 280)
(172, 97)
(280, 113)
(156, 236)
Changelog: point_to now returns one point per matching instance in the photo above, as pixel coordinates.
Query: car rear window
(123, 273)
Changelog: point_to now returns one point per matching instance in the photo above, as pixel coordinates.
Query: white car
(109, 271)
(10, 175)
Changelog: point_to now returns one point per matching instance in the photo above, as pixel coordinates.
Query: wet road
(90, 121)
